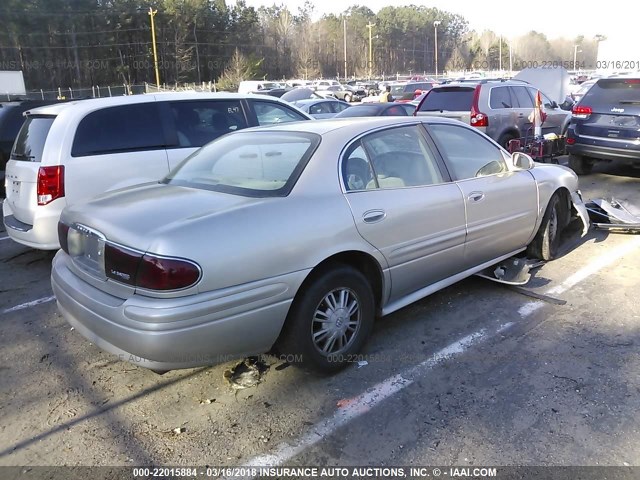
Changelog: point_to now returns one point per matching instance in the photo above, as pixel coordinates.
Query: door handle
(373, 216)
(476, 196)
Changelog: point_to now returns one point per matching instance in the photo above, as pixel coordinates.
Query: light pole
(435, 29)
(370, 27)
(152, 13)
(575, 55)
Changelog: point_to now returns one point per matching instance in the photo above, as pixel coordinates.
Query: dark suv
(499, 108)
(10, 122)
(606, 125)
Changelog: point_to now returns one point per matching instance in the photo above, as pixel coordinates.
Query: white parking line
(582, 274)
(33, 303)
(353, 408)
(5, 238)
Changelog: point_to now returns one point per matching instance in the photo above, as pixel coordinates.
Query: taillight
(50, 184)
(63, 236)
(159, 273)
(571, 141)
(121, 264)
(582, 112)
(147, 270)
(478, 119)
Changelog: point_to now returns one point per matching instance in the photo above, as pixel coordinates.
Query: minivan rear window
(613, 91)
(126, 128)
(30, 141)
(452, 99)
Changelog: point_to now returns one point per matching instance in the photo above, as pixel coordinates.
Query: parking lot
(477, 374)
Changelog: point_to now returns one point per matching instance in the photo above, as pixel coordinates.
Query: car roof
(82, 107)
(350, 124)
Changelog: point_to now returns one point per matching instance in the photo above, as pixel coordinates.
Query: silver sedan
(295, 237)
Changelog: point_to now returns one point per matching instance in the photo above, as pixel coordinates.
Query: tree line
(79, 43)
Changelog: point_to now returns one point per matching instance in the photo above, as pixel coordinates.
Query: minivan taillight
(148, 271)
(50, 184)
(478, 119)
(63, 236)
(581, 112)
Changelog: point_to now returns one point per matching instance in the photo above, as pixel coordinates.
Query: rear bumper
(603, 149)
(42, 235)
(173, 333)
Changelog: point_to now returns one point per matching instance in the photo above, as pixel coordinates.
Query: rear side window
(395, 111)
(523, 98)
(468, 153)
(127, 128)
(613, 91)
(500, 98)
(29, 144)
(198, 123)
(453, 99)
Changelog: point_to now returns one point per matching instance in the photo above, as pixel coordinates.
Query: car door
(501, 204)
(192, 124)
(116, 147)
(404, 205)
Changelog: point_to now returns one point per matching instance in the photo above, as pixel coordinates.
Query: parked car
(584, 88)
(68, 153)
(297, 237)
(323, 84)
(501, 108)
(377, 109)
(254, 86)
(606, 125)
(321, 108)
(414, 89)
(10, 122)
(343, 92)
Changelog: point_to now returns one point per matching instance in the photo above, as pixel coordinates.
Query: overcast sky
(555, 18)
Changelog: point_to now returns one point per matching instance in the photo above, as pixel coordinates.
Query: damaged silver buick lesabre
(296, 237)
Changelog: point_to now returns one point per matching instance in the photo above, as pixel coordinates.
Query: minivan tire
(338, 286)
(580, 164)
(504, 140)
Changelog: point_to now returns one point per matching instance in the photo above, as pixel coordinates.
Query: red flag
(538, 116)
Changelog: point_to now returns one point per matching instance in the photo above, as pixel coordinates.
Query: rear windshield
(360, 111)
(453, 99)
(30, 141)
(255, 164)
(613, 91)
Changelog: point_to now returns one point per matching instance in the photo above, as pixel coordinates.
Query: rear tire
(329, 321)
(546, 243)
(348, 98)
(505, 139)
(580, 164)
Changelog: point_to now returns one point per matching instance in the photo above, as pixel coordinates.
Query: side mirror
(554, 104)
(522, 161)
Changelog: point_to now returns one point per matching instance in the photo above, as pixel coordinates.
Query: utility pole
(575, 56)
(152, 14)
(345, 47)
(435, 29)
(500, 55)
(370, 27)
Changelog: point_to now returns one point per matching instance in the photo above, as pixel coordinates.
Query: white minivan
(69, 153)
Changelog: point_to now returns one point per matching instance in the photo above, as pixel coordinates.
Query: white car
(69, 153)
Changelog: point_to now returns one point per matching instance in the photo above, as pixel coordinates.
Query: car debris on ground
(613, 216)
